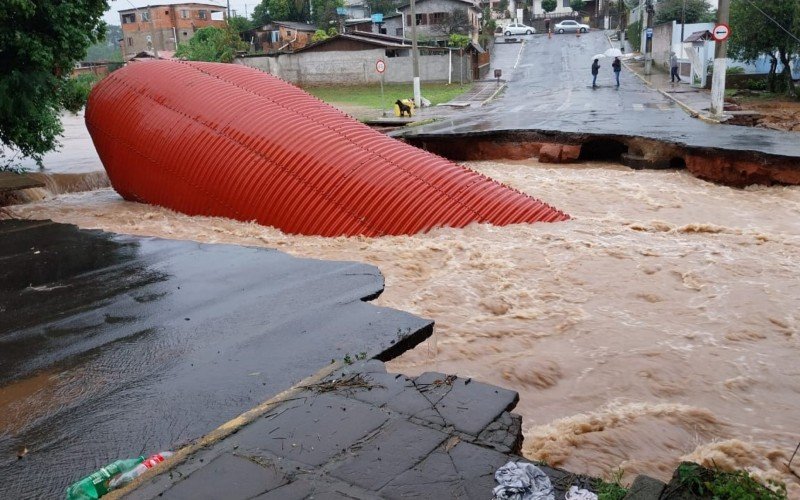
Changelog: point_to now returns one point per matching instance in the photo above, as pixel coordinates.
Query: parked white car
(518, 29)
(570, 26)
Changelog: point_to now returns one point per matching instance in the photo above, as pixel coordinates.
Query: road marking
(638, 107)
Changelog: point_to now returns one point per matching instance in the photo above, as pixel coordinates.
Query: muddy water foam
(661, 323)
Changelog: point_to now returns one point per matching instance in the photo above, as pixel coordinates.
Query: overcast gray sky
(111, 16)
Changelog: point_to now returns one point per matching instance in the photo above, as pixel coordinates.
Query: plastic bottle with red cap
(150, 462)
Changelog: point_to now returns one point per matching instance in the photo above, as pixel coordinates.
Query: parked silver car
(570, 26)
(518, 29)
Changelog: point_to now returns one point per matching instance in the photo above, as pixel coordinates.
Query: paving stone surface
(362, 433)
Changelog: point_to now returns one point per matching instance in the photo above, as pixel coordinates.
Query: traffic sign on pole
(721, 32)
(380, 66)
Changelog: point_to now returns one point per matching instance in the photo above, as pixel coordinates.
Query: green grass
(717, 484)
(370, 95)
(612, 490)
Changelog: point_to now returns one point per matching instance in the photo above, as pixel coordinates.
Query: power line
(773, 20)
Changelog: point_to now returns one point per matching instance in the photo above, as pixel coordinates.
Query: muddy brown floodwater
(660, 323)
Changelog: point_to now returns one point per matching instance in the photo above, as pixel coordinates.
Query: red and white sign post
(380, 67)
(721, 32)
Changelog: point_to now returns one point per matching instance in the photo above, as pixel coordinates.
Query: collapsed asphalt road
(115, 346)
(550, 89)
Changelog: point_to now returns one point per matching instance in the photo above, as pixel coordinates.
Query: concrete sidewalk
(695, 101)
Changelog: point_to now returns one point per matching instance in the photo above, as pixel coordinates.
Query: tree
(455, 23)
(279, 10)
(458, 41)
(384, 7)
(549, 5)
(108, 48)
(754, 34)
(212, 44)
(501, 7)
(576, 5)
(239, 23)
(261, 14)
(672, 10)
(325, 12)
(39, 43)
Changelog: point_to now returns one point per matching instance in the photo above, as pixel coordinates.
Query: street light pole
(720, 66)
(415, 54)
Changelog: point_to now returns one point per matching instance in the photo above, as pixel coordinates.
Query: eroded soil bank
(660, 323)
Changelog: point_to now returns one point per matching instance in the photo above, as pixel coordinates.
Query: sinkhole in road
(602, 149)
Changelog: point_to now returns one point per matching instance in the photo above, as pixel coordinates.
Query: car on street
(570, 26)
(518, 29)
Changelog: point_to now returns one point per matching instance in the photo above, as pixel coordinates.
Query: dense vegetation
(38, 51)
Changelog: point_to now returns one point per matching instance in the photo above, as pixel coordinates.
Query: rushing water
(660, 323)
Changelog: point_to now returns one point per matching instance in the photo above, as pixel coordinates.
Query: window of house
(565, 3)
(145, 16)
(128, 18)
(184, 14)
(166, 12)
(398, 31)
(288, 33)
(201, 14)
(130, 42)
(437, 17)
(422, 19)
(185, 34)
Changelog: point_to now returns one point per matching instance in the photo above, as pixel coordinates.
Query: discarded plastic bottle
(96, 484)
(149, 463)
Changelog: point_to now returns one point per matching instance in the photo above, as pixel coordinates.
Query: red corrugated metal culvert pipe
(231, 141)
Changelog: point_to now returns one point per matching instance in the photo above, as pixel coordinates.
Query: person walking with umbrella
(595, 70)
(617, 66)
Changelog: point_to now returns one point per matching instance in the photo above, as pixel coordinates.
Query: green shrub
(738, 485)
(757, 84)
(634, 35)
(734, 70)
(612, 490)
(75, 91)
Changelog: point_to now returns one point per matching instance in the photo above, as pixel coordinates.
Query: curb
(493, 95)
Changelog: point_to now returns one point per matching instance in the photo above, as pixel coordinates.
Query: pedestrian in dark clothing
(595, 70)
(673, 66)
(547, 24)
(617, 65)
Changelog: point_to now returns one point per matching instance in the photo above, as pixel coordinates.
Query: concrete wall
(358, 67)
(662, 44)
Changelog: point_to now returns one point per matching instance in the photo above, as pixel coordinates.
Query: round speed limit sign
(380, 66)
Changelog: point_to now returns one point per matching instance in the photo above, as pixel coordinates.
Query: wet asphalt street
(114, 346)
(550, 89)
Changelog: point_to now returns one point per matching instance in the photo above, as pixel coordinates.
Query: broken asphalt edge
(688, 109)
(232, 426)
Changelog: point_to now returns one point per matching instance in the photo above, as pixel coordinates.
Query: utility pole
(720, 66)
(648, 55)
(683, 24)
(415, 55)
(152, 31)
(229, 11)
